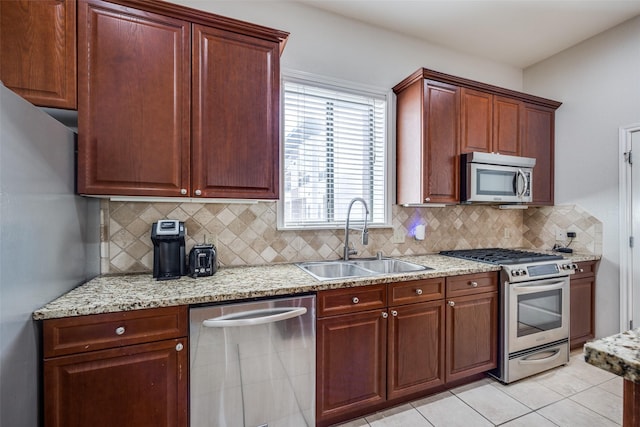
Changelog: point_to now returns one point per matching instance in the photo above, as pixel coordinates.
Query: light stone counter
(114, 293)
(618, 354)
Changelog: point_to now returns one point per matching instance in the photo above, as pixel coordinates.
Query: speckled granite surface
(115, 293)
(618, 354)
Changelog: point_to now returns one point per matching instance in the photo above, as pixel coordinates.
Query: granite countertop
(618, 354)
(115, 293)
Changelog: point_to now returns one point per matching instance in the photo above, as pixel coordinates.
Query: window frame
(389, 155)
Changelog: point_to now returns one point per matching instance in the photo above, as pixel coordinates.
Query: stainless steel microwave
(495, 178)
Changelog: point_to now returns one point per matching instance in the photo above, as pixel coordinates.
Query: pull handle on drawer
(355, 300)
(120, 330)
(418, 291)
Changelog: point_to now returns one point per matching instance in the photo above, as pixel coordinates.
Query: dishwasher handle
(255, 317)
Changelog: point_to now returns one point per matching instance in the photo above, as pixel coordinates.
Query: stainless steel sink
(332, 270)
(389, 265)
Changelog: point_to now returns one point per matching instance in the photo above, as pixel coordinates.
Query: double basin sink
(354, 268)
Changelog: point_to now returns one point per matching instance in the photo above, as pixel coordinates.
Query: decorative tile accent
(246, 234)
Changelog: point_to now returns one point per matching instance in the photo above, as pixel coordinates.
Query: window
(335, 143)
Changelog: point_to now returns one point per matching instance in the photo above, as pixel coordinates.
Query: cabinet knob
(473, 284)
(183, 191)
(427, 199)
(418, 291)
(385, 314)
(179, 346)
(451, 303)
(355, 300)
(120, 330)
(198, 193)
(582, 270)
(394, 313)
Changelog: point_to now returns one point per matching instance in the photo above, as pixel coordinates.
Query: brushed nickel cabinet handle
(198, 193)
(355, 300)
(451, 303)
(394, 313)
(120, 330)
(179, 346)
(183, 191)
(473, 284)
(385, 314)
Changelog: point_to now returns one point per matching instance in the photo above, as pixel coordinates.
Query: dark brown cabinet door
(38, 50)
(351, 364)
(134, 101)
(476, 121)
(472, 335)
(506, 125)
(538, 142)
(236, 82)
(416, 348)
(582, 295)
(136, 386)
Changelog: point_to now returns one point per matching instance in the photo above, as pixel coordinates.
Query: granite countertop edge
(618, 354)
(117, 293)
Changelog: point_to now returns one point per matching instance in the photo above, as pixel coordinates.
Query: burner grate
(500, 256)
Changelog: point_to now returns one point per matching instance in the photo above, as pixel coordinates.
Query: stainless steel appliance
(495, 178)
(168, 237)
(534, 309)
(253, 364)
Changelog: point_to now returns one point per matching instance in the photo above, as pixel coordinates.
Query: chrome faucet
(365, 232)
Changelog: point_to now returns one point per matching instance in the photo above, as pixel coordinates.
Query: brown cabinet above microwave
(440, 116)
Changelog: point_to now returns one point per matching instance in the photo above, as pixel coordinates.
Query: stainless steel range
(534, 309)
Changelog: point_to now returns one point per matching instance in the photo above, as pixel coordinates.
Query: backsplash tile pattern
(246, 234)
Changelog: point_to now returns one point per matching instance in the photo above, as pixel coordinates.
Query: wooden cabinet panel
(415, 348)
(414, 291)
(134, 101)
(38, 50)
(89, 333)
(351, 363)
(582, 305)
(472, 335)
(351, 300)
(506, 125)
(537, 139)
(236, 87)
(476, 121)
(469, 284)
(136, 386)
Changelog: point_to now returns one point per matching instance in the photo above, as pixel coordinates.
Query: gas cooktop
(501, 256)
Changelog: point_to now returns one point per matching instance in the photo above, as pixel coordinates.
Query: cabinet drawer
(416, 291)
(351, 300)
(585, 269)
(470, 284)
(101, 331)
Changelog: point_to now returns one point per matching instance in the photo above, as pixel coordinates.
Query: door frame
(626, 227)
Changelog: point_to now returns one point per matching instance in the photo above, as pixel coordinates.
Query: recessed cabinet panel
(477, 118)
(506, 125)
(134, 100)
(38, 50)
(236, 83)
(537, 142)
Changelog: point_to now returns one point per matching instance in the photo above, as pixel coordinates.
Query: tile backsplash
(246, 234)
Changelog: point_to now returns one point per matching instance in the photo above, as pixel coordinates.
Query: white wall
(598, 82)
(341, 48)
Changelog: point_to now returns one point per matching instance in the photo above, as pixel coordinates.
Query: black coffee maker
(168, 236)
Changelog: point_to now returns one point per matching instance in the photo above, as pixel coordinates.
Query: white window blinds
(334, 150)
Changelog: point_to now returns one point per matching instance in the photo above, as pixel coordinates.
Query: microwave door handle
(521, 190)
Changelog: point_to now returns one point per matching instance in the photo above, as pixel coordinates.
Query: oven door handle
(553, 354)
(538, 288)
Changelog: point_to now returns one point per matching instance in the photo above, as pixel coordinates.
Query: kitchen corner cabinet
(176, 102)
(428, 143)
(472, 325)
(119, 369)
(38, 50)
(440, 116)
(582, 293)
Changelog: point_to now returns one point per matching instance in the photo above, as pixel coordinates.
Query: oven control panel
(541, 270)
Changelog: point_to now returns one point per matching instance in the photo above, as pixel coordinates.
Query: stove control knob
(520, 272)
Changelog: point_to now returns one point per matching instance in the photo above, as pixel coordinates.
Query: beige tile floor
(575, 395)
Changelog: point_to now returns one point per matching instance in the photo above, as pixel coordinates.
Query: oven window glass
(539, 312)
(495, 182)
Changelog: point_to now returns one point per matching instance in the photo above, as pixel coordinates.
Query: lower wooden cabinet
(582, 306)
(105, 383)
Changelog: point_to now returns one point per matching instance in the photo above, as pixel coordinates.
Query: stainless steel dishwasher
(253, 364)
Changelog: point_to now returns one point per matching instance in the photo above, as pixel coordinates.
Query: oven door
(537, 313)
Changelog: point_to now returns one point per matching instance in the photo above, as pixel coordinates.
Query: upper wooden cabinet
(440, 116)
(176, 102)
(38, 50)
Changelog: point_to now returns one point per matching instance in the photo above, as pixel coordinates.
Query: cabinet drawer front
(470, 284)
(585, 269)
(416, 291)
(95, 332)
(351, 300)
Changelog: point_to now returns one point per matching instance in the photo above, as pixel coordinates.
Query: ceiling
(515, 32)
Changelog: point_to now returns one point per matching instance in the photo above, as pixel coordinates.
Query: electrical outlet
(507, 233)
(561, 235)
(398, 236)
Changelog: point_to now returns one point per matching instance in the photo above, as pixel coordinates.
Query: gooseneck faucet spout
(365, 231)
